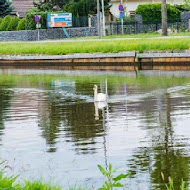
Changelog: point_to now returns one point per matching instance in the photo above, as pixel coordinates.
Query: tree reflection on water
(163, 155)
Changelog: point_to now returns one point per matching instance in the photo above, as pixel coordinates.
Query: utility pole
(164, 18)
(103, 14)
(98, 19)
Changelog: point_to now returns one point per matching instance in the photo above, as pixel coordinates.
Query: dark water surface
(50, 128)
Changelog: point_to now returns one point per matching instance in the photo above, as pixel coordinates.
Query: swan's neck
(95, 94)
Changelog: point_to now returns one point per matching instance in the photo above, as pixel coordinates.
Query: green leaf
(121, 176)
(182, 187)
(110, 167)
(103, 171)
(106, 183)
(118, 185)
(101, 188)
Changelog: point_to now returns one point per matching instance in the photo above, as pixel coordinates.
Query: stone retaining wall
(45, 34)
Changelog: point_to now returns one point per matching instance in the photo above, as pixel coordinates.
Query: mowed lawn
(94, 46)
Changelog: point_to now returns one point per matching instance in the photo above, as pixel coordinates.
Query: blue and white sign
(121, 15)
(59, 20)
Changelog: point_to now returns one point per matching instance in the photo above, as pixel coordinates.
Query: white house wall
(131, 5)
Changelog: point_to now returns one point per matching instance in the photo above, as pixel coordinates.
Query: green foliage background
(76, 7)
(81, 21)
(152, 12)
(13, 24)
(30, 24)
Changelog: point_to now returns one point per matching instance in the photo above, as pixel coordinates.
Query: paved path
(95, 40)
(111, 39)
(132, 54)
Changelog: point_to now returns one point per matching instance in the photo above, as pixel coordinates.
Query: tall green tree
(5, 8)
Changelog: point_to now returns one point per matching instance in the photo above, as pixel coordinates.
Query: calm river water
(50, 128)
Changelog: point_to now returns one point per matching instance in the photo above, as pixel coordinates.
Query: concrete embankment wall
(128, 61)
(164, 61)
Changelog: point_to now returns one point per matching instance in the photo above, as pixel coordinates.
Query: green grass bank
(95, 46)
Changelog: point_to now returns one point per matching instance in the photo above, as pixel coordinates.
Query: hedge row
(12, 23)
(152, 12)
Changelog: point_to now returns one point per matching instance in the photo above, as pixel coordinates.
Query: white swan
(98, 97)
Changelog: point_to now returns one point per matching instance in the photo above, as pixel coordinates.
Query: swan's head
(95, 87)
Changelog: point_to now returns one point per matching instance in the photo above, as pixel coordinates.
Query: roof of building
(22, 6)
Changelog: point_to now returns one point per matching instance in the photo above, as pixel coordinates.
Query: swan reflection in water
(102, 106)
(97, 106)
(100, 101)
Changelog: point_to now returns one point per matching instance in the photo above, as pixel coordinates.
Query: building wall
(131, 5)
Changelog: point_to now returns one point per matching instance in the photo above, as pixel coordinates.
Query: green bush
(152, 12)
(5, 23)
(30, 23)
(22, 24)
(0, 22)
(13, 24)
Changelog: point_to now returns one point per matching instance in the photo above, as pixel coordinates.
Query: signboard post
(121, 9)
(38, 25)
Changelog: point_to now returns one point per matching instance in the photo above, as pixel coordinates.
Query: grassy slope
(111, 46)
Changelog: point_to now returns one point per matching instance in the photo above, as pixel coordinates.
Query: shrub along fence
(152, 12)
(12, 23)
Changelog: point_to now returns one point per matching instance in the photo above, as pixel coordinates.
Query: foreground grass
(111, 182)
(8, 183)
(62, 48)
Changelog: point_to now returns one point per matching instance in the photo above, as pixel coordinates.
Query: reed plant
(170, 184)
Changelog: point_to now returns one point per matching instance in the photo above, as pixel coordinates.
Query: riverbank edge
(123, 61)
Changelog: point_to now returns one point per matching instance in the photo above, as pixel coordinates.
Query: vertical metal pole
(103, 14)
(98, 18)
(122, 20)
(38, 34)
